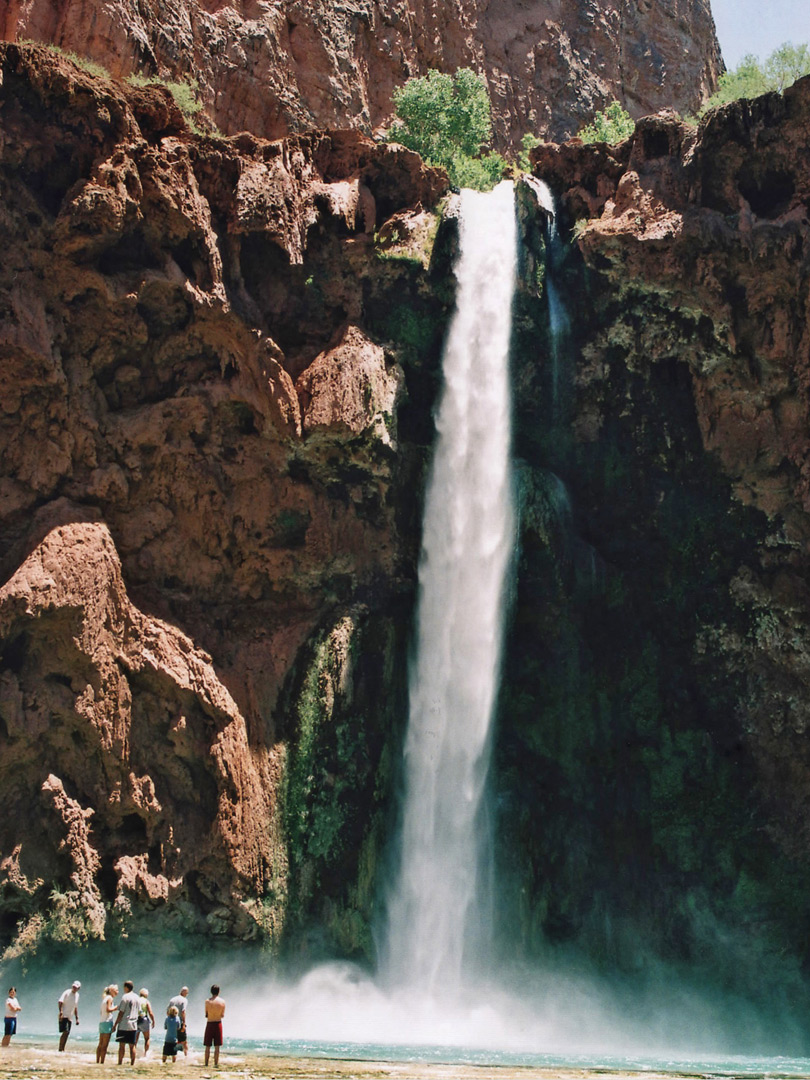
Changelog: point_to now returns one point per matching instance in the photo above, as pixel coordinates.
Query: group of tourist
(131, 1017)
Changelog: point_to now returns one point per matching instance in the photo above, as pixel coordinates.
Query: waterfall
(439, 914)
(559, 324)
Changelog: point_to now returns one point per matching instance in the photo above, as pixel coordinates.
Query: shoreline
(33, 1059)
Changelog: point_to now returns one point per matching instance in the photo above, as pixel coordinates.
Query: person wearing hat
(68, 1007)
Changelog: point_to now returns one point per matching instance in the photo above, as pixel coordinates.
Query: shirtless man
(214, 1011)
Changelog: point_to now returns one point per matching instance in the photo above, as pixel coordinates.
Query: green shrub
(184, 94)
(90, 66)
(527, 143)
(614, 125)
(447, 119)
(750, 78)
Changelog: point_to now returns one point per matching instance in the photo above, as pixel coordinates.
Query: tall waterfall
(440, 913)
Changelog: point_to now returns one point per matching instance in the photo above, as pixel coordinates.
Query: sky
(759, 26)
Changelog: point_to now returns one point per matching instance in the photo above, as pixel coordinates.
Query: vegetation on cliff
(750, 77)
(448, 120)
(612, 125)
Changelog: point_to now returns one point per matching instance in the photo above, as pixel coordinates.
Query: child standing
(172, 1026)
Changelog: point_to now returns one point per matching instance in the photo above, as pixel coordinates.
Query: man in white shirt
(127, 1021)
(68, 1007)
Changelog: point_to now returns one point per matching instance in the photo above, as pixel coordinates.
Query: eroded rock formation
(289, 66)
(659, 667)
(199, 407)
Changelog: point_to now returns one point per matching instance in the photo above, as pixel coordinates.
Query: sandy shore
(33, 1061)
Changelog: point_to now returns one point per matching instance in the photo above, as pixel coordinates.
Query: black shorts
(11, 1025)
(182, 1036)
(170, 1049)
(65, 1025)
(126, 1037)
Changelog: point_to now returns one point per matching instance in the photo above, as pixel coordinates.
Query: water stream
(440, 909)
(559, 323)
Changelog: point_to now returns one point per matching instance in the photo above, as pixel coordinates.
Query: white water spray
(440, 912)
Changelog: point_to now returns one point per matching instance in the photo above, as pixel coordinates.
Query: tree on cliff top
(750, 78)
(447, 119)
(614, 125)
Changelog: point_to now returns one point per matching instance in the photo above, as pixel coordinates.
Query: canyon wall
(289, 66)
(659, 666)
(218, 364)
(210, 418)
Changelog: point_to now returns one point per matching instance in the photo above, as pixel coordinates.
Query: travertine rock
(284, 66)
(176, 516)
(696, 243)
(68, 602)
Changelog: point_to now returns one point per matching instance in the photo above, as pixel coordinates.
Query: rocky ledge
(200, 392)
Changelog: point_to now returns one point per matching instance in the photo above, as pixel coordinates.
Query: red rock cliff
(198, 437)
(285, 67)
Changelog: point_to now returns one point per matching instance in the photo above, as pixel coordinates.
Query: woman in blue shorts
(105, 1024)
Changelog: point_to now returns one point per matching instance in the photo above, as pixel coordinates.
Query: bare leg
(132, 1053)
(101, 1053)
(207, 1054)
(63, 1038)
(120, 1052)
(216, 1056)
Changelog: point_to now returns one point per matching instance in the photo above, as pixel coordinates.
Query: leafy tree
(614, 125)
(527, 143)
(447, 119)
(750, 78)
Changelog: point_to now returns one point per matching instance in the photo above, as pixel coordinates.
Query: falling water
(559, 324)
(440, 912)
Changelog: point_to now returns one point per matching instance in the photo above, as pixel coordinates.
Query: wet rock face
(660, 662)
(199, 404)
(282, 68)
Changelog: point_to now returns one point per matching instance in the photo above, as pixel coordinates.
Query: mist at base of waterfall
(564, 1016)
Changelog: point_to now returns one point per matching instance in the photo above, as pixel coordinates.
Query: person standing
(172, 1026)
(127, 1022)
(105, 1024)
(214, 1011)
(12, 1008)
(179, 1002)
(146, 1018)
(68, 1007)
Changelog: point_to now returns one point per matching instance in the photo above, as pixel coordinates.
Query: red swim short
(213, 1033)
